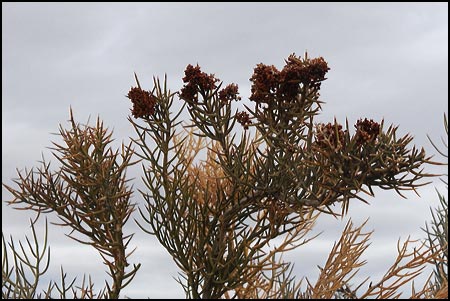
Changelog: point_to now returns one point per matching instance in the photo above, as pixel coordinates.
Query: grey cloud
(387, 61)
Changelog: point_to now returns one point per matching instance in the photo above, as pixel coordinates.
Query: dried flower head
(366, 131)
(306, 71)
(229, 93)
(317, 69)
(143, 102)
(244, 119)
(270, 84)
(330, 136)
(291, 76)
(196, 81)
(265, 82)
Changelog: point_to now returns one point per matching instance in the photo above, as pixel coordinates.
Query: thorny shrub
(226, 216)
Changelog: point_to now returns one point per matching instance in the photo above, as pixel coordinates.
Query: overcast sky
(387, 61)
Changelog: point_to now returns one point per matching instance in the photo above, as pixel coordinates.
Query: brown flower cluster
(265, 83)
(196, 82)
(229, 93)
(330, 136)
(307, 72)
(270, 84)
(143, 102)
(315, 71)
(366, 131)
(244, 119)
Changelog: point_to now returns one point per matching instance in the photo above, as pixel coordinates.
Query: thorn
(137, 81)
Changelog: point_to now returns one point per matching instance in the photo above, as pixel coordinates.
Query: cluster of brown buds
(265, 82)
(366, 131)
(229, 93)
(270, 84)
(330, 136)
(197, 82)
(143, 102)
(244, 119)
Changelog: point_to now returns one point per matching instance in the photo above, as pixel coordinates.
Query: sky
(387, 60)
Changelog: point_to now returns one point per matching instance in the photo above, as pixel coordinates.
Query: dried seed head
(269, 84)
(143, 102)
(196, 81)
(265, 82)
(326, 136)
(244, 119)
(366, 131)
(229, 93)
(298, 71)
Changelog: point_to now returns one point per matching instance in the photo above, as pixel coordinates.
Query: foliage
(89, 193)
(16, 284)
(437, 231)
(226, 201)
